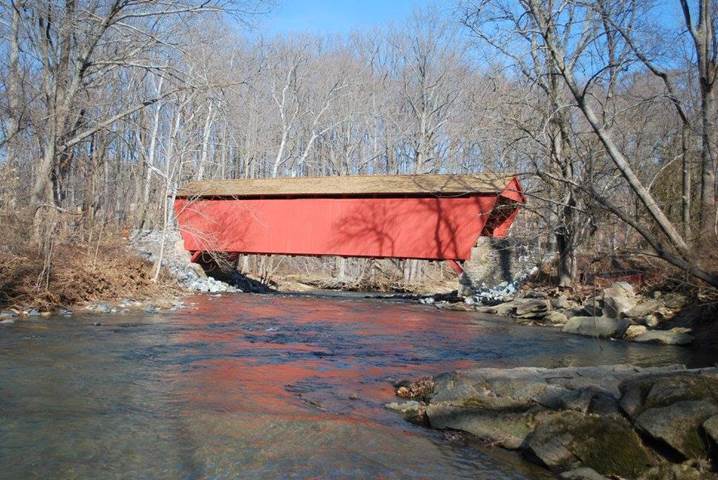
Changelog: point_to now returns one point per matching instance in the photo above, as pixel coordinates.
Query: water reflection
(258, 387)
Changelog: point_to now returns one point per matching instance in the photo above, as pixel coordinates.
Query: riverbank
(116, 274)
(589, 423)
(75, 276)
(619, 311)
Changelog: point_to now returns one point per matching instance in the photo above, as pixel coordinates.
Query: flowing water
(259, 386)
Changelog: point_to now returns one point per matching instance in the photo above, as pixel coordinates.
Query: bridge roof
(350, 185)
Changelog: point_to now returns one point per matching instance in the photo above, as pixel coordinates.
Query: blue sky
(336, 16)
(332, 17)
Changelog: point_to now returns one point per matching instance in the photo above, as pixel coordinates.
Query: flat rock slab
(596, 326)
(678, 426)
(528, 386)
(505, 429)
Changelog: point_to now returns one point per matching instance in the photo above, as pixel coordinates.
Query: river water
(260, 386)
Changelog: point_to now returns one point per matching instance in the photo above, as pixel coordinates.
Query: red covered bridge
(431, 217)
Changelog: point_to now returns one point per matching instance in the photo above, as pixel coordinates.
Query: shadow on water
(259, 386)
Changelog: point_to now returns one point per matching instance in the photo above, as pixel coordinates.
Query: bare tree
(551, 27)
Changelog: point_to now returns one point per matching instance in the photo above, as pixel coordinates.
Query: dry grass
(75, 274)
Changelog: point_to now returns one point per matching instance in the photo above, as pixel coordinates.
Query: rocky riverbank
(125, 305)
(587, 423)
(177, 262)
(615, 312)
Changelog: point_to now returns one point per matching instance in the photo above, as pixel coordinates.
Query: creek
(262, 386)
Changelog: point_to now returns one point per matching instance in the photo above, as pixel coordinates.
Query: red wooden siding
(423, 227)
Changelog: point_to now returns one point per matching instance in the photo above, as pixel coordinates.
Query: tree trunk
(709, 137)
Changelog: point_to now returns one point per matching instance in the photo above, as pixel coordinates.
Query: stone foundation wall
(497, 261)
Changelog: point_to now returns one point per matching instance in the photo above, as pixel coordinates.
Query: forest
(606, 109)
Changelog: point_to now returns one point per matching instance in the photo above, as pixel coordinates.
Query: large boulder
(606, 444)
(678, 425)
(661, 390)
(672, 409)
(644, 307)
(618, 300)
(711, 428)
(596, 326)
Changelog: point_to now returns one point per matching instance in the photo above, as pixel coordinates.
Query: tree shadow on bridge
(431, 228)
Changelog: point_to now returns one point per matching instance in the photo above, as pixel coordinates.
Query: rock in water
(504, 309)
(666, 337)
(677, 426)
(634, 330)
(555, 318)
(596, 326)
(411, 410)
(607, 444)
(508, 430)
